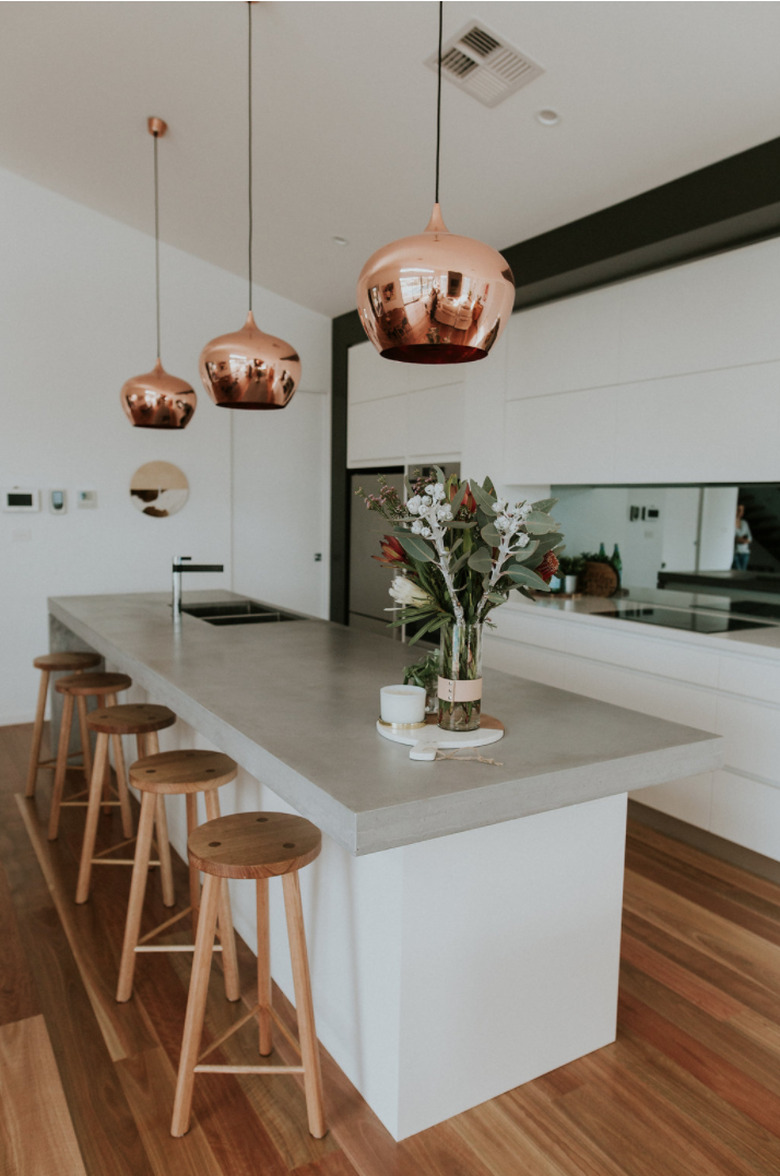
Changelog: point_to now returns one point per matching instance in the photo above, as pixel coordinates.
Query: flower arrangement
(459, 549)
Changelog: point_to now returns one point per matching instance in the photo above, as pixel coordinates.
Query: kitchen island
(464, 917)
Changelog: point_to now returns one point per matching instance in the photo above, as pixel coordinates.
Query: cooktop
(693, 622)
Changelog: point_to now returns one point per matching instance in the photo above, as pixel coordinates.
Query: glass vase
(460, 677)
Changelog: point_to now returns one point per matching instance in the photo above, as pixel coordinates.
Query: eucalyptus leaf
(457, 526)
(491, 534)
(457, 501)
(546, 543)
(416, 547)
(480, 560)
(539, 524)
(483, 499)
(524, 553)
(521, 575)
(459, 562)
(544, 506)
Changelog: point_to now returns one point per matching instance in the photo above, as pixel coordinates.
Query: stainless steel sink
(237, 612)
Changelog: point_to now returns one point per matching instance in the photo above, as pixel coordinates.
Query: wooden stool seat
(93, 685)
(171, 773)
(255, 846)
(79, 687)
(143, 720)
(131, 718)
(66, 661)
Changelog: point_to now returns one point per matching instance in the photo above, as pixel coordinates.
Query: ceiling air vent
(483, 65)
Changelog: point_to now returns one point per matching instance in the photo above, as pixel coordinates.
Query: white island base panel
(449, 971)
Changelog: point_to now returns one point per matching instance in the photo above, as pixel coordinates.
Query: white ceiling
(345, 119)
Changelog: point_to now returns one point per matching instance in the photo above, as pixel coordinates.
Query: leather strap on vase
(460, 689)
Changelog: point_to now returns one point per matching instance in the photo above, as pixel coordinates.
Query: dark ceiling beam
(724, 206)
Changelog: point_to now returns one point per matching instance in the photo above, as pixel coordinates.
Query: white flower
(444, 513)
(415, 505)
(523, 509)
(500, 506)
(503, 523)
(417, 527)
(406, 593)
(438, 492)
(430, 489)
(523, 540)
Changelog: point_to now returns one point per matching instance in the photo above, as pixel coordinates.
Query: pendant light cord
(249, 91)
(438, 101)
(157, 242)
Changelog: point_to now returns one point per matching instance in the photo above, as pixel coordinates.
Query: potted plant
(570, 567)
(458, 550)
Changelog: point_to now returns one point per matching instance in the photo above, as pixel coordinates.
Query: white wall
(77, 321)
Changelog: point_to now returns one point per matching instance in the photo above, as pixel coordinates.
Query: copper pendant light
(157, 400)
(249, 369)
(436, 297)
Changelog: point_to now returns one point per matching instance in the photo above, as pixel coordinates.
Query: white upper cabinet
(565, 345)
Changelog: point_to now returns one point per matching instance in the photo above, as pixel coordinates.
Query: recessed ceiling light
(548, 118)
(340, 241)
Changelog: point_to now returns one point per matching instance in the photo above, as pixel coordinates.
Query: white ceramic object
(402, 704)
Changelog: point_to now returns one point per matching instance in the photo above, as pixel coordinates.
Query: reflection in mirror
(159, 489)
(671, 528)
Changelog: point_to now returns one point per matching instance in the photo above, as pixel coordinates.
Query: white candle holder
(402, 706)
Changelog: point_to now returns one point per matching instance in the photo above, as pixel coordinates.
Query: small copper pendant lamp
(436, 297)
(157, 400)
(249, 369)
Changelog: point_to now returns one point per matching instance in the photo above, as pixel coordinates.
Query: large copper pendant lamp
(249, 369)
(157, 400)
(436, 297)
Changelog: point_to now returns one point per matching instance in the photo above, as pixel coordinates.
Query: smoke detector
(485, 66)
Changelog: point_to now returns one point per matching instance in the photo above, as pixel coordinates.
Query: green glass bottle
(617, 563)
(602, 551)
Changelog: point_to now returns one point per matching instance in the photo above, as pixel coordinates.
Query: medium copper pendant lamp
(249, 369)
(157, 400)
(436, 297)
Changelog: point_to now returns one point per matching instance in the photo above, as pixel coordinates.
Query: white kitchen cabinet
(728, 685)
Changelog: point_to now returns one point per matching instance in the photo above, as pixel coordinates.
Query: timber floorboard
(691, 1086)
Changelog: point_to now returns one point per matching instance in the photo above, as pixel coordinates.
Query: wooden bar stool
(103, 687)
(144, 720)
(259, 846)
(172, 773)
(70, 662)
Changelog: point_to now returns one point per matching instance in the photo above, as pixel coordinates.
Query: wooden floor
(690, 1088)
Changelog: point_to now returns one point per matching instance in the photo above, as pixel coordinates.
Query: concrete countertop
(296, 703)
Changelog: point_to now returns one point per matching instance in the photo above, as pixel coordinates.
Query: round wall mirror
(159, 489)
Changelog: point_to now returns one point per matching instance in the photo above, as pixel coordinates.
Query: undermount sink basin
(236, 612)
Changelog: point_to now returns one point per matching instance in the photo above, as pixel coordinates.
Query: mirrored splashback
(672, 528)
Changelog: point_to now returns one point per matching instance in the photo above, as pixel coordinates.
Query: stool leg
(265, 1024)
(93, 813)
(164, 853)
(149, 744)
(86, 746)
(136, 901)
(62, 763)
(225, 922)
(196, 1006)
(121, 781)
(192, 824)
(35, 753)
(312, 1081)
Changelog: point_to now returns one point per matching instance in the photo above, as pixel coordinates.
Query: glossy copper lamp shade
(250, 369)
(157, 400)
(435, 298)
